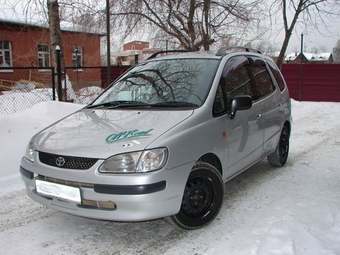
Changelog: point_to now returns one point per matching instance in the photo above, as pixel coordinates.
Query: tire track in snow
(17, 210)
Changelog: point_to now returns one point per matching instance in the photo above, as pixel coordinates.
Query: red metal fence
(116, 71)
(320, 82)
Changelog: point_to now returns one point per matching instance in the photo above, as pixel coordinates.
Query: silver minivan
(162, 140)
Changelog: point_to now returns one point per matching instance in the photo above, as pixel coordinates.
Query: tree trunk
(55, 36)
(281, 56)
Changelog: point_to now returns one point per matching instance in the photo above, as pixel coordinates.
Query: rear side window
(277, 75)
(263, 82)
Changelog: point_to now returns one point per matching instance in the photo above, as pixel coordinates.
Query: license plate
(59, 191)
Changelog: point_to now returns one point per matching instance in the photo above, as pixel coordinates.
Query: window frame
(44, 55)
(6, 54)
(77, 56)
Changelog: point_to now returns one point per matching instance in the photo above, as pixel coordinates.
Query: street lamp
(58, 53)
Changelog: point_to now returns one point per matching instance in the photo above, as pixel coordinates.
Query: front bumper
(127, 197)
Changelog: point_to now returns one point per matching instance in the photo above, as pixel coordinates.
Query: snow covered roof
(324, 56)
(20, 19)
(309, 56)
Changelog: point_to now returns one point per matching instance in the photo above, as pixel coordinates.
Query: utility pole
(301, 56)
(108, 49)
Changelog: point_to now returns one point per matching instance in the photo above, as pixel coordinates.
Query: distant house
(132, 52)
(28, 45)
(320, 58)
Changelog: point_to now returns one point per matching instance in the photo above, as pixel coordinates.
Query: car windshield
(167, 83)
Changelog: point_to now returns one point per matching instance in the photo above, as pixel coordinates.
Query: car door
(244, 131)
(266, 94)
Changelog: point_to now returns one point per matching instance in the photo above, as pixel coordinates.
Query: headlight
(152, 160)
(30, 152)
(135, 162)
(123, 163)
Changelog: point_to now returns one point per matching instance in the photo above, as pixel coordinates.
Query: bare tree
(192, 24)
(336, 52)
(315, 13)
(337, 44)
(267, 47)
(55, 32)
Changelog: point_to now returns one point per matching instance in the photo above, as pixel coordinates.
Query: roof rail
(165, 51)
(221, 51)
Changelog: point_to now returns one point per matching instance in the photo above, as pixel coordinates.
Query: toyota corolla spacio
(161, 141)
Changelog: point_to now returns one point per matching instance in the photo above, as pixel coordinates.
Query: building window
(43, 55)
(77, 56)
(5, 54)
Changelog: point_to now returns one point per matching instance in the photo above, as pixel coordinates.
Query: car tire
(280, 155)
(202, 198)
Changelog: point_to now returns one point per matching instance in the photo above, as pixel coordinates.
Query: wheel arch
(213, 160)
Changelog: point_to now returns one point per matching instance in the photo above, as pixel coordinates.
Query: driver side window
(238, 83)
(235, 81)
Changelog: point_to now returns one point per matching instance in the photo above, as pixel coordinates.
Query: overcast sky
(312, 38)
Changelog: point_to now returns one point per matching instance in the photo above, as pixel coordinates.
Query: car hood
(103, 133)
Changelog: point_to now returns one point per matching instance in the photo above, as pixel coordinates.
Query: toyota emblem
(60, 161)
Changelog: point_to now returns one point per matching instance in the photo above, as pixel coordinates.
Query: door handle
(259, 116)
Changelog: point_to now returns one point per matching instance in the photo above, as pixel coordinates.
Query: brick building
(28, 45)
(136, 45)
(132, 52)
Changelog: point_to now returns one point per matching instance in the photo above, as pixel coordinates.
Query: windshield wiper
(118, 104)
(176, 104)
(126, 104)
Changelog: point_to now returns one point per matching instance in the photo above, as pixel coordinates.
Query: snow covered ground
(289, 210)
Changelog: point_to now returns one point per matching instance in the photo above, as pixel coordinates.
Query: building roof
(309, 56)
(18, 19)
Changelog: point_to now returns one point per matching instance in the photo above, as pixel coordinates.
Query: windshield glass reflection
(178, 81)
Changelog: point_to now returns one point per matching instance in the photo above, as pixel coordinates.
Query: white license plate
(60, 191)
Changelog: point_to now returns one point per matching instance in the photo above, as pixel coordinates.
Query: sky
(293, 210)
(312, 38)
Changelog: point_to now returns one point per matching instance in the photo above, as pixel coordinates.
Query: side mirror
(239, 103)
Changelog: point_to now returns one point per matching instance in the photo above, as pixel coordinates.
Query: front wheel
(202, 198)
(280, 155)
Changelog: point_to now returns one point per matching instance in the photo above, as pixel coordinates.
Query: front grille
(66, 161)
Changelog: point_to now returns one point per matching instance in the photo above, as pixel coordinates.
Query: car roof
(223, 51)
(183, 54)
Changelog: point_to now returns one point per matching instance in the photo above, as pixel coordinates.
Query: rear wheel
(202, 198)
(280, 155)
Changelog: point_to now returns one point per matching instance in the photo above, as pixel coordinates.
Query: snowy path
(290, 210)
